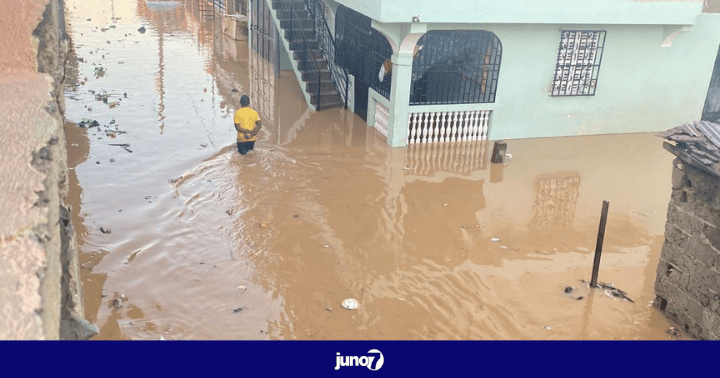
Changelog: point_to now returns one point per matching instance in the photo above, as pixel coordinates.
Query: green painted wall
(641, 87)
(531, 11)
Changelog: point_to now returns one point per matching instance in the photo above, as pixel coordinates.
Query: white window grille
(578, 62)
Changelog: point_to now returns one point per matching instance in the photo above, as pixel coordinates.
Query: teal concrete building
(424, 71)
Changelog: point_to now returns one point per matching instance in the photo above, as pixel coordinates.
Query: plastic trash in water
(495, 240)
(350, 304)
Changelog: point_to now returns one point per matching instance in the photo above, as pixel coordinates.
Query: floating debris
(328, 309)
(495, 240)
(568, 290)
(242, 287)
(350, 304)
(87, 123)
(614, 292)
(237, 310)
(125, 146)
(118, 300)
(99, 72)
(673, 331)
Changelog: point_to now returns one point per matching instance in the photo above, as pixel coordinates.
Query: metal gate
(711, 112)
(262, 31)
(365, 53)
(264, 58)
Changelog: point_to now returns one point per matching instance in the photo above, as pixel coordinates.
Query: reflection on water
(555, 203)
(209, 244)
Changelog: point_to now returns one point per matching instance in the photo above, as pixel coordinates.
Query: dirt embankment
(39, 287)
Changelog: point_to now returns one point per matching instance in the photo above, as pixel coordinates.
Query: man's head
(245, 101)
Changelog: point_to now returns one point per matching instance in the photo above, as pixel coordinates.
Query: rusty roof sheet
(697, 143)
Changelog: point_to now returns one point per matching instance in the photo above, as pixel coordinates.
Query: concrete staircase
(311, 67)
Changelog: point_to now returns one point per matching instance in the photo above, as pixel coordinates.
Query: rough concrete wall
(38, 285)
(688, 275)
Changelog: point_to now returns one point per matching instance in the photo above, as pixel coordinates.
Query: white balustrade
(433, 127)
(382, 118)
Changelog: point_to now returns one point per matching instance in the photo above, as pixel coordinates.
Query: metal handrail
(328, 47)
(285, 6)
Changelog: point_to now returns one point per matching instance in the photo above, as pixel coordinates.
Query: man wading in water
(247, 124)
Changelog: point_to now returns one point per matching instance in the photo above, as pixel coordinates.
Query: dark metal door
(711, 112)
(361, 98)
(264, 59)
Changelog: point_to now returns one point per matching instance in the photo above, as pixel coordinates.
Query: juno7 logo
(369, 361)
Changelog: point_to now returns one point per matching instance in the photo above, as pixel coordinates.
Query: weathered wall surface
(688, 275)
(39, 292)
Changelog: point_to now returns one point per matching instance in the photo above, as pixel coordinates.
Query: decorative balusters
(382, 117)
(474, 126)
(424, 128)
(436, 119)
(438, 127)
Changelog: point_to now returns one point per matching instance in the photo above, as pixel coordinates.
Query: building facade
(424, 71)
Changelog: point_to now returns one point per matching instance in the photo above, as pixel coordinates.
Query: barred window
(455, 67)
(578, 62)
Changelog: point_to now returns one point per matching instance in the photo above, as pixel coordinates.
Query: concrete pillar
(400, 98)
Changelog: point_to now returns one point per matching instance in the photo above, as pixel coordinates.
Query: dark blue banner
(363, 358)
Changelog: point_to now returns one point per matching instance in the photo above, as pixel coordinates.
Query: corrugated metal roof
(696, 143)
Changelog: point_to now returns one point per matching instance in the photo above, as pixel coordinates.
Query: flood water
(183, 238)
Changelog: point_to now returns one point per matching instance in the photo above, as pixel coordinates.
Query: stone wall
(687, 286)
(39, 282)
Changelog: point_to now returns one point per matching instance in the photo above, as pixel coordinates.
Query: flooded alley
(181, 237)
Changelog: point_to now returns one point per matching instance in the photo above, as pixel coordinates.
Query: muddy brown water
(198, 242)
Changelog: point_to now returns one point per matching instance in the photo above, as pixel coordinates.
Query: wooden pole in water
(599, 245)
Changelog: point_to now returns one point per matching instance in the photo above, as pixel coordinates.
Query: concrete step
(288, 4)
(298, 35)
(307, 54)
(312, 65)
(325, 85)
(328, 102)
(293, 15)
(312, 76)
(295, 23)
(309, 45)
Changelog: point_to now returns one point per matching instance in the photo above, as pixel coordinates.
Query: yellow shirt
(246, 118)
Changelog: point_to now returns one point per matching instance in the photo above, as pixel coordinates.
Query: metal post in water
(599, 245)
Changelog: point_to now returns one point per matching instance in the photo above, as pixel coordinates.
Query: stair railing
(328, 47)
(295, 30)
